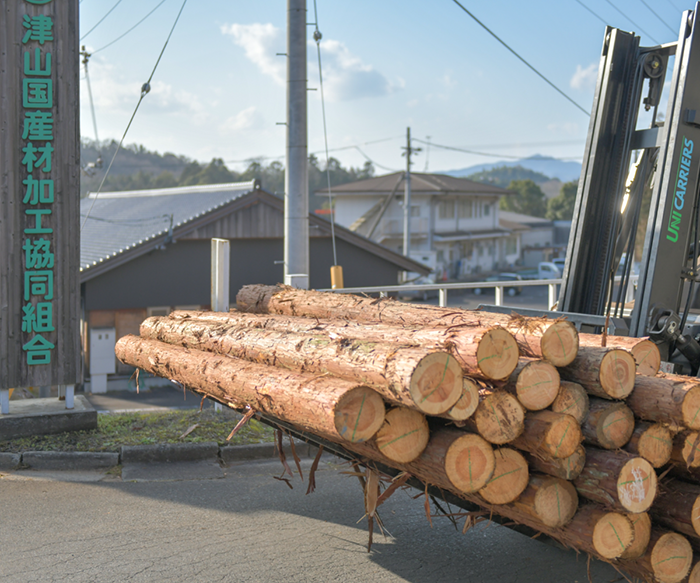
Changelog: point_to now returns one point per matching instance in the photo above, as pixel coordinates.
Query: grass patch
(115, 430)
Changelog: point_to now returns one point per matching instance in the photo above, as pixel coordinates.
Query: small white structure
(102, 361)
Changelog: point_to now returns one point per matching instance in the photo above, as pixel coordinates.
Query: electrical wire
(639, 28)
(132, 28)
(101, 19)
(375, 163)
(494, 35)
(657, 16)
(317, 38)
(593, 13)
(145, 89)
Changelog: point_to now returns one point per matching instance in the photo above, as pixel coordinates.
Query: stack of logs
(524, 417)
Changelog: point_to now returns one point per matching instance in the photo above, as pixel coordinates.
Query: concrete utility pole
(296, 187)
(407, 195)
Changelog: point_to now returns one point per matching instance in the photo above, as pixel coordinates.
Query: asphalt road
(249, 527)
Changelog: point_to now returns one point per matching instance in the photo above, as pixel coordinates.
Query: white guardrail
(499, 286)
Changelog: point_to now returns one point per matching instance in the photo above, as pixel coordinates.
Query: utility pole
(296, 187)
(407, 194)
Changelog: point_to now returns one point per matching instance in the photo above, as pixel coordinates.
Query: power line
(145, 89)
(657, 16)
(375, 163)
(639, 28)
(101, 19)
(494, 35)
(132, 28)
(593, 13)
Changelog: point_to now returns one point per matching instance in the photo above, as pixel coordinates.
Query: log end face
(255, 298)
(556, 502)
(655, 445)
(563, 437)
(537, 385)
(613, 534)
(694, 576)
(497, 354)
(436, 383)
(695, 516)
(403, 435)
(690, 408)
(467, 403)
(637, 485)
(359, 414)
(617, 373)
(648, 357)
(641, 523)
(500, 418)
(469, 463)
(559, 343)
(510, 477)
(689, 444)
(671, 558)
(615, 426)
(572, 399)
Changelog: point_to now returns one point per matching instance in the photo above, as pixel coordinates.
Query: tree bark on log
(672, 399)
(510, 477)
(608, 373)
(404, 434)
(668, 558)
(652, 441)
(336, 409)
(414, 377)
(646, 353)
(499, 418)
(550, 434)
(553, 340)
(572, 400)
(641, 522)
(535, 383)
(678, 508)
(567, 468)
(617, 480)
(600, 532)
(551, 500)
(609, 424)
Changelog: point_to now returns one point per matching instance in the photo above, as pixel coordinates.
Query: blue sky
(219, 90)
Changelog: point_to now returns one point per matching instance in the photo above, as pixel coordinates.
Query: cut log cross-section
(670, 399)
(652, 441)
(336, 409)
(599, 532)
(668, 558)
(403, 435)
(499, 418)
(646, 353)
(467, 403)
(608, 373)
(551, 500)
(535, 383)
(510, 477)
(550, 434)
(641, 522)
(609, 424)
(572, 400)
(686, 449)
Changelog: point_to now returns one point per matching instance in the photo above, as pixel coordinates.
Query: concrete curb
(9, 461)
(175, 452)
(69, 460)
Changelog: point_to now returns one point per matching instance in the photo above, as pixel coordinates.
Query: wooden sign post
(39, 196)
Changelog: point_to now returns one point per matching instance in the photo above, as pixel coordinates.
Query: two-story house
(454, 221)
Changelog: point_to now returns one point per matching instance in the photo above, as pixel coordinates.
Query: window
(465, 209)
(446, 209)
(487, 210)
(415, 210)
(511, 246)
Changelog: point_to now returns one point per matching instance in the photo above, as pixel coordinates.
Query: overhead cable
(375, 163)
(639, 28)
(101, 19)
(494, 35)
(657, 16)
(593, 13)
(132, 28)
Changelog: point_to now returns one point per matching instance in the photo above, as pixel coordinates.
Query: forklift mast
(641, 180)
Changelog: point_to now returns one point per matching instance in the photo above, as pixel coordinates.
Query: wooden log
(404, 434)
(467, 403)
(551, 434)
(552, 501)
(652, 441)
(333, 408)
(609, 424)
(510, 477)
(617, 480)
(535, 383)
(553, 340)
(694, 576)
(567, 468)
(469, 463)
(499, 418)
(678, 507)
(668, 558)
(608, 373)
(686, 450)
(425, 379)
(672, 399)
(599, 532)
(641, 522)
(646, 353)
(572, 400)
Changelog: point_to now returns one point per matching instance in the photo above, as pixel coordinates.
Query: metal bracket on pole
(220, 278)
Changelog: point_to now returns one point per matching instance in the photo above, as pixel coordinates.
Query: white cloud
(585, 79)
(247, 119)
(569, 128)
(261, 43)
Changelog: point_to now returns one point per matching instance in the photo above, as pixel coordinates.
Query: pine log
(652, 441)
(336, 409)
(686, 450)
(469, 463)
(617, 480)
(420, 378)
(694, 576)
(553, 340)
(499, 418)
(567, 468)
(403, 435)
(510, 477)
(552, 501)
(535, 383)
(678, 507)
(646, 353)
(641, 522)
(572, 400)
(551, 434)
(599, 532)
(467, 403)
(608, 373)
(672, 399)
(609, 424)
(668, 558)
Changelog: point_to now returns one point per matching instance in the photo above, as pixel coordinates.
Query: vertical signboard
(39, 193)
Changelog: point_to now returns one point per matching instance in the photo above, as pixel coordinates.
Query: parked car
(548, 270)
(511, 291)
(559, 262)
(419, 294)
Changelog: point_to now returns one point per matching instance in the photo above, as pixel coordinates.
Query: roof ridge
(174, 190)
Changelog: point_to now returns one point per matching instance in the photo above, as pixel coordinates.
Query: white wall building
(455, 223)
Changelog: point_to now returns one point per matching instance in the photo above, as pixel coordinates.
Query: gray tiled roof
(120, 221)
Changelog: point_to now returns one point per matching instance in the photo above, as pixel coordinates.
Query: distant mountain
(551, 167)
